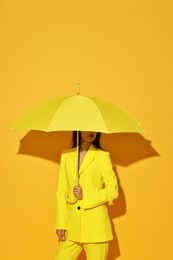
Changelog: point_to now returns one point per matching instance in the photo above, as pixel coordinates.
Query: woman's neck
(85, 146)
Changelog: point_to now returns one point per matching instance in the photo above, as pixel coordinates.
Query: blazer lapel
(72, 162)
(88, 159)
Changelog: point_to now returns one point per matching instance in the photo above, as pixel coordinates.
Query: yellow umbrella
(78, 113)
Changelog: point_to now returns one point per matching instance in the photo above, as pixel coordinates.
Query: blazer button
(78, 207)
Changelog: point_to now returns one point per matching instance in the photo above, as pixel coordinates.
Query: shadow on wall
(125, 149)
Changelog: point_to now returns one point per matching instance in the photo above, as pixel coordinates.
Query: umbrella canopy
(78, 113)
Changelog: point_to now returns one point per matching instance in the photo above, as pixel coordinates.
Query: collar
(88, 159)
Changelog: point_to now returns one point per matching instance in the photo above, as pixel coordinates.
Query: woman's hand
(61, 234)
(77, 191)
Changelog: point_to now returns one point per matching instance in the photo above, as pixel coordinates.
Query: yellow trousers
(69, 250)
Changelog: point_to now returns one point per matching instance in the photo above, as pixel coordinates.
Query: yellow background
(118, 50)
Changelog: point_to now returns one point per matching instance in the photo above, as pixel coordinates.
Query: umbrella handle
(70, 201)
(73, 199)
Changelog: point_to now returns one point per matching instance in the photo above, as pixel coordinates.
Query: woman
(85, 222)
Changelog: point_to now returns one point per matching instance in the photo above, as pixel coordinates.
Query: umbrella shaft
(77, 158)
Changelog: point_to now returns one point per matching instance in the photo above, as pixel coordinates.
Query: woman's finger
(61, 234)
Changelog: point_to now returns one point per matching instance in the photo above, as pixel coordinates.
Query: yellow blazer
(86, 220)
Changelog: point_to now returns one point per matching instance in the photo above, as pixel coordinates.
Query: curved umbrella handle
(70, 201)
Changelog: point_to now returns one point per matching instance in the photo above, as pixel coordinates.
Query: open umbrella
(78, 113)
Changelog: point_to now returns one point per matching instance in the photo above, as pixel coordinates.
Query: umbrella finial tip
(78, 89)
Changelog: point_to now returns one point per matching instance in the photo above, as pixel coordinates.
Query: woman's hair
(96, 141)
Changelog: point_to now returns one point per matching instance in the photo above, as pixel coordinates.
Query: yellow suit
(87, 220)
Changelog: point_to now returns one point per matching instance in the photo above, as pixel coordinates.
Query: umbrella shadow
(46, 145)
(125, 148)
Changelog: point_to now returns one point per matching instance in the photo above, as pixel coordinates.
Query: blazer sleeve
(96, 197)
(61, 204)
